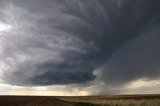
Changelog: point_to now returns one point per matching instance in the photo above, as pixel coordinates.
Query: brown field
(120, 100)
(31, 101)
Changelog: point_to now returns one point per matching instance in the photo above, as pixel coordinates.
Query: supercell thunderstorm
(59, 42)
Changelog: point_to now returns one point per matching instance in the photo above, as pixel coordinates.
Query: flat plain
(115, 100)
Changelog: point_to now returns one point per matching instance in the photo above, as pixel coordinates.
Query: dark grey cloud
(64, 42)
(138, 59)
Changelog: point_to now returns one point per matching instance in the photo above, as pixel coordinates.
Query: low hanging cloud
(138, 59)
(52, 42)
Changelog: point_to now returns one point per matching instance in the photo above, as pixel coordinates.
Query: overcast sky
(79, 47)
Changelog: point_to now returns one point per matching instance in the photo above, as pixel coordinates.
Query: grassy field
(121, 100)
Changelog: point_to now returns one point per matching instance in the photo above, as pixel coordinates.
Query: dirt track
(48, 102)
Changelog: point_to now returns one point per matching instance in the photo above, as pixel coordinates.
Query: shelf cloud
(64, 42)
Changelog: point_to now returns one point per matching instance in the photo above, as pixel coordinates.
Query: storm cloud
(59, 42)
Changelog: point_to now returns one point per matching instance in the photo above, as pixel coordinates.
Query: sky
(79, 47)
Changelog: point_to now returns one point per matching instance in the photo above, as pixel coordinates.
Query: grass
(85, 104)
(126, 103)
(128, 100)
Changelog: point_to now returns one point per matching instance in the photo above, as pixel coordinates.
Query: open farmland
(31, 101)
(120, 100)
